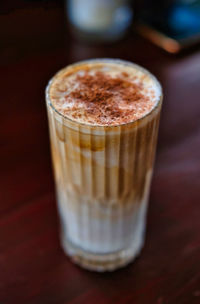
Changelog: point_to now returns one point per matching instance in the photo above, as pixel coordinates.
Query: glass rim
(103, 60)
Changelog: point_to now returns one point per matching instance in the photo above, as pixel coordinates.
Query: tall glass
(103, 176)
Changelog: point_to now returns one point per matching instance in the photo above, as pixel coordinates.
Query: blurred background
(38, 37)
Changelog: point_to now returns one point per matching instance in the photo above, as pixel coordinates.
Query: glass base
(102, 262)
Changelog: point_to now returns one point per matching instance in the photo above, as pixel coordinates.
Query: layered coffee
(103, 119)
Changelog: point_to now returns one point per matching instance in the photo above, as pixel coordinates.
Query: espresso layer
(104, 93)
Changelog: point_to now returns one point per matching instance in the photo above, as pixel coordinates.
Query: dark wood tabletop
(33, 267)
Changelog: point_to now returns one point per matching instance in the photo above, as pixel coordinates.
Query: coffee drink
(103, 120)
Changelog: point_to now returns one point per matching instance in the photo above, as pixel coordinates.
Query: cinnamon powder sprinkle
(106, 100)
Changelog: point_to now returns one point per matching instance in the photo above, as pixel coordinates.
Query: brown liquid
(103, 177)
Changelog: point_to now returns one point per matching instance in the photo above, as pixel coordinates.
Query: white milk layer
(99, 228)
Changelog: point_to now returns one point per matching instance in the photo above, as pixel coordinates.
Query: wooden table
(33, 268)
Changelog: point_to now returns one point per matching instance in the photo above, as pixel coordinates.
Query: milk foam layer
(104, 93)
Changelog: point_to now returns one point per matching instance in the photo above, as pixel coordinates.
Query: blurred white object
(100, 19)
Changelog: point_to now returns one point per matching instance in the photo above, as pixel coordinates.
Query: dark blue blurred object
(184, 18)
(170, 24)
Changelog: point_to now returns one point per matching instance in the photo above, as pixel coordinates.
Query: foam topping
(104, 93)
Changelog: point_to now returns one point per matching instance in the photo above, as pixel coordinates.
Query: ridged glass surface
(103, 176)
